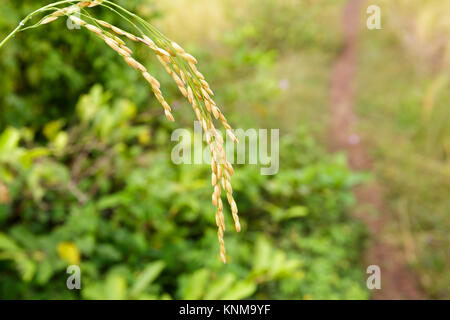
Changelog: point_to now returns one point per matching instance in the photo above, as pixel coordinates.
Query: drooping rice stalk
(179, 64)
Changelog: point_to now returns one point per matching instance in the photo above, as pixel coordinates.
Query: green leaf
(147, 276)
(241, 290)
(9, 250)
(89, 104)
(116, 287)
(52, 128)
(26, 267)
(262, 255)
(26, 159)
(219, 286)
(194, 286)
(44, 271)
(295, 212)
(7, 244)
(9, 140)
(60, 141)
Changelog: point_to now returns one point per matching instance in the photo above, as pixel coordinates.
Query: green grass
(407, 108)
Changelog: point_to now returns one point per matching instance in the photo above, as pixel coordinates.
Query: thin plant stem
(28, 17)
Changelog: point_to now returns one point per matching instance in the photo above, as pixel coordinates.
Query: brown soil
(397, 280)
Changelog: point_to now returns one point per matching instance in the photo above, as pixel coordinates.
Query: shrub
(141, 227)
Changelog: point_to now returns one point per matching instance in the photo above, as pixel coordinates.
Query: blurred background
(86, 177)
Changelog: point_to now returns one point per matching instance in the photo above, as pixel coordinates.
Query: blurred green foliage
(413, 108)
(107, 194)
(45, 70)
(296, 24)
(86, 178)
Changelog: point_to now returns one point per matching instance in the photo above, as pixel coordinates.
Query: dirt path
(397, 281)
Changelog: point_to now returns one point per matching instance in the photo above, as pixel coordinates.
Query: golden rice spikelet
(94, 29)
(177, 48)
(84, 4)
(190, 95)
(119, 41)
(232, 136)
(169, 116)
(224, 175)
(103, 23)
(149, 42)
(208, 106)
(121, 32)
(95, 3)
(49, 19)
(217, 202)
(229, 168)
(115, 46)
(124, 47)
(183, 77)
(59, 13)
(153, 82)
(162, 52)
(77, 20)
(189, 58)
(155, 87)
(118, 30)
(122, 52)
(220, 233)
(174, 76)
(131, 36)
(231, 201)
(136, 65)
(216, 112)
